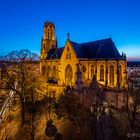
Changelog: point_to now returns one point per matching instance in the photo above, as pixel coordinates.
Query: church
(76, 64)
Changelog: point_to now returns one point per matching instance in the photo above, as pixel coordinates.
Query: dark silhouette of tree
(20, 75)
(70, 107)
(133, 98)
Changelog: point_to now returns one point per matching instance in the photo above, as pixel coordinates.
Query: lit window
(101, 73)
(111, 75)
(120, 74)
(92, 71)
(68, 75)
(84, 68)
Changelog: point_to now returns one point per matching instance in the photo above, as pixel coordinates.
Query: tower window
(49, 36)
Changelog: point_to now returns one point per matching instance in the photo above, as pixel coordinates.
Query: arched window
(84, 68)
(120, 74)
(49, 36)
(92, 71)
(101, 73)
(54, 72)
(111, 75)
(68, 75)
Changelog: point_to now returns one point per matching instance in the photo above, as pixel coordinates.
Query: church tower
(48, 40)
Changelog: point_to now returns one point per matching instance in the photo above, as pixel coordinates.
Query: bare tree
(19, 75)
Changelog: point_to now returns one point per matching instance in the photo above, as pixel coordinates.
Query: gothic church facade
(75, 64)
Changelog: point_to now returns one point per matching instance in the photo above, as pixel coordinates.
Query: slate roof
(55, 53)
(100, 49)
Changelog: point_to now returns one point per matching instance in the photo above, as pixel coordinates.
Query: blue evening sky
(21, 23)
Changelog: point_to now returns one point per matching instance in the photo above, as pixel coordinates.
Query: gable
(68, 52)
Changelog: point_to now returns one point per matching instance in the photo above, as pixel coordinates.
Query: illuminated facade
(76, 64)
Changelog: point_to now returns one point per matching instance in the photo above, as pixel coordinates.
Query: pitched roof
(55, 53)
(100, 49)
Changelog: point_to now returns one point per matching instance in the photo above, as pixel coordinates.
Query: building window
(84, 68)
(112, 75)
(92, 71)
(68, 75)
(49, 36)
(101, 73)
(68, 56)
(120, 74)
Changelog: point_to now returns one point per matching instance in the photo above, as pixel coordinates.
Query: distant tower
(48, 40)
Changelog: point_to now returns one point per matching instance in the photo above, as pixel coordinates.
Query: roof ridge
(96, 41)
(74, 42)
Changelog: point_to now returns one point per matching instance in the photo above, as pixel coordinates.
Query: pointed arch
(120, 74)
(112, 75)
(92, 71)
(68, 75)
(101, 73)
